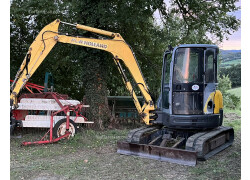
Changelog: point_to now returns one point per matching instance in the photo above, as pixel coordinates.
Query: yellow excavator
(185, 124)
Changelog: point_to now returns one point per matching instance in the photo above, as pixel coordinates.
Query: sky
(234, 40)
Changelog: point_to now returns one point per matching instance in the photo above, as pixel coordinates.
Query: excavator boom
(120, 50)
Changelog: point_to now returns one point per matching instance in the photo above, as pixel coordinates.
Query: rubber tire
(12, 125)
(58, 124)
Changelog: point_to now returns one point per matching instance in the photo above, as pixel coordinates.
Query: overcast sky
(234, 40)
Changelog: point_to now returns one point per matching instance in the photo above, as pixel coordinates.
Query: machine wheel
(12, 125)
(60, 128)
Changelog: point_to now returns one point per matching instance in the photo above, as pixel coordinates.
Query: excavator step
(173, 155)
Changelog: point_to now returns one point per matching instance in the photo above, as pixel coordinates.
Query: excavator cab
(187, 99)
(189, 110)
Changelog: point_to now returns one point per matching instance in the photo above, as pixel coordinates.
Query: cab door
(210, 80)
(187, 81)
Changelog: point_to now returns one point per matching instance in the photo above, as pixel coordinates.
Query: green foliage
(224, 84)
(236, 124)
(235, 91)
(206, 16)
(230, 101)
(234, 73)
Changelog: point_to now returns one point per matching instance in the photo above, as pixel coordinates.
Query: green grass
(232, 119)
(236, 124)
(218, 166)
(235, 91)
(85, 139)
(236, 111)
(211, 167)
(65, 158)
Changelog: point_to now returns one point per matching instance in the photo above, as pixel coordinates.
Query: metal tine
(178, 143)
(164, 142)
(166, 137)
(155, 139)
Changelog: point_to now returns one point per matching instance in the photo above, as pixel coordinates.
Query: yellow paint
(116, 46)
(95, 30)
(38, 53)
(211, 97)
(218, 101)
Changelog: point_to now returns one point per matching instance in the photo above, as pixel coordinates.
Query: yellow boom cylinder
(95, 30)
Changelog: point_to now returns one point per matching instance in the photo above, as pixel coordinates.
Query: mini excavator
(185, 124)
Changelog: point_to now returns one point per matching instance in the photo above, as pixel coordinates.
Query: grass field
(235, 91)
(92, 155)
(230, 63)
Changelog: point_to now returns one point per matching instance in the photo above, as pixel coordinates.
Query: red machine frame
(64, 108)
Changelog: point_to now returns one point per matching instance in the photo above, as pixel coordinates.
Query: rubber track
(197, 141)
(135, 135)
(132, 132)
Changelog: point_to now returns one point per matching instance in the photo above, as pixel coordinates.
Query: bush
(224, 84)
(229, 100)
(234, 73)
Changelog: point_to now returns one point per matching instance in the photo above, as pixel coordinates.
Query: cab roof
(198, 45)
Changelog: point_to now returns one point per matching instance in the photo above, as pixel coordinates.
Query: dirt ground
(92, 155)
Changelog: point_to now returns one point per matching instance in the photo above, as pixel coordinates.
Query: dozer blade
(173, 155)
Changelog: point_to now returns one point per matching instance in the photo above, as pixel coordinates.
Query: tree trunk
(96, 91)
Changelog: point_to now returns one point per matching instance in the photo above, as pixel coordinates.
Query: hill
(230, 57)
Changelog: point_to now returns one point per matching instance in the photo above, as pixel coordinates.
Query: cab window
(209, 67)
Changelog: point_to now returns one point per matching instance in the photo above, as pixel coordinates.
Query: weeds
(236, 124)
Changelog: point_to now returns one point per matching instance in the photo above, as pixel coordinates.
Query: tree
(229, 100)
(224, 84)
(27, 18)
(234, 73)
(91, 72)
(133, 20)
(202, 17)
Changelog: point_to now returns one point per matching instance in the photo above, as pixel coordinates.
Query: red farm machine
(51, 110)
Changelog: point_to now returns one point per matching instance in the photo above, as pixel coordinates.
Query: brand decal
(195, 87)
(89, 43)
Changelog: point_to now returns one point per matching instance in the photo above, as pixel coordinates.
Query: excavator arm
(117, 46)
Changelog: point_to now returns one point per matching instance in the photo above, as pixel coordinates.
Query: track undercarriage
(181, 147)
